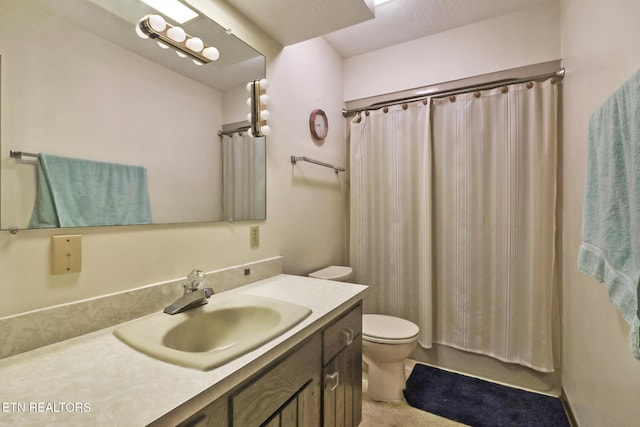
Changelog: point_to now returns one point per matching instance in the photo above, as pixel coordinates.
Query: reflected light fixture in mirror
(173, 9)
(156, 28)
(258, 114)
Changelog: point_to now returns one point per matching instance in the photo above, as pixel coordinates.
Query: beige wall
(600, 376)
(305, 204)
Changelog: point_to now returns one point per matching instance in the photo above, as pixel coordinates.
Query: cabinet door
(342, 387)
(300, 411)
(291, 386)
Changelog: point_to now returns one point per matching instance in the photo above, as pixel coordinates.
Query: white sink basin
(213, 334)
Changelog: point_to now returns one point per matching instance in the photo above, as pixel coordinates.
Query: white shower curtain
(495, 168)
(465, 211)
(243, 172)
(390, 229)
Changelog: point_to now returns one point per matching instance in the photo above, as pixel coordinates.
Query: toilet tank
(333, 272)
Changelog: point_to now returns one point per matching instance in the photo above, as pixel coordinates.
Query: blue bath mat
(480, 403)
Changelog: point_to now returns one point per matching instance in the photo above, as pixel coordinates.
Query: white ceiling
(348, 26)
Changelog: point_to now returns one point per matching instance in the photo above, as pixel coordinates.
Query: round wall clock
(318, 124)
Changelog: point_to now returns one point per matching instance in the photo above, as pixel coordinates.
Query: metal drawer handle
(335, 378)
(348, 334)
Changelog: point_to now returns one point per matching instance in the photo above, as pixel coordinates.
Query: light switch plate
(66, 254)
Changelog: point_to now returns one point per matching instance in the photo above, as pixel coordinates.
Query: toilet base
(386, 381)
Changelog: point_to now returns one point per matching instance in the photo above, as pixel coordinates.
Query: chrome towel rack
(20, 154)
(336, 169)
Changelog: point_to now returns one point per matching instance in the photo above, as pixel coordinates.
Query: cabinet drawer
(341, 333)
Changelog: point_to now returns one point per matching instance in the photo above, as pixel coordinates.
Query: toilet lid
(381, 328)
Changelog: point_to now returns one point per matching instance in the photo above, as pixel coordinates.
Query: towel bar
(336, 169)
(19, 154)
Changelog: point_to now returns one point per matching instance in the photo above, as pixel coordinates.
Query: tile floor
(397, 414)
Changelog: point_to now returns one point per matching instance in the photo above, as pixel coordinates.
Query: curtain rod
(231, 132)
(448, 92)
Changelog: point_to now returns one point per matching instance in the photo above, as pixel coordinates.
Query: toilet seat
(384, 329)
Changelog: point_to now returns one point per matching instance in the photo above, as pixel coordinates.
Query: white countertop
(97, 380)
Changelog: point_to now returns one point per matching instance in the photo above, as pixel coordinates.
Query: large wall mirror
(77, 82)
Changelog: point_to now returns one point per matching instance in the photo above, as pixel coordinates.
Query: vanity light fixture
(156, 28)
(258, 115)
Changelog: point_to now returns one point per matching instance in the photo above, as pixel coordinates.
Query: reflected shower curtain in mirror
(390, 228)
(495, 172)
(243, 172)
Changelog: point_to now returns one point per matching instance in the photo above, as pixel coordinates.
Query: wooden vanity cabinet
(317, 383)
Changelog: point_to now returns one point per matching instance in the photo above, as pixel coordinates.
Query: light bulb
(211, 53)
(249, 117)
(195, 44)
(140, 33)
(176, 34)
(250, 132)
(180, 54)
(157, 22)
(265, 130)
(264, 115)
(249, 87)
(195, 61)
(162, 45)
(249, 102)
(264, 83)
(264, 99)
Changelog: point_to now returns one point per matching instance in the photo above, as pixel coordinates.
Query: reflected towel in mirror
(76, 192)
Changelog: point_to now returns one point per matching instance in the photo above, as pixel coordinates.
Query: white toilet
(386, 342)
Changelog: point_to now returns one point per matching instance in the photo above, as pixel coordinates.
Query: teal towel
(78, 193)
(610, 249)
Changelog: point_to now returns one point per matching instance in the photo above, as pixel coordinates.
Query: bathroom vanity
(309, 375)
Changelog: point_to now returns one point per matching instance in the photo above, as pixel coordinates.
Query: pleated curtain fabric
(495, 179)
(390, 212)
(453, 218)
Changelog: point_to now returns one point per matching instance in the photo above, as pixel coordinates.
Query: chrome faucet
(193, 296)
